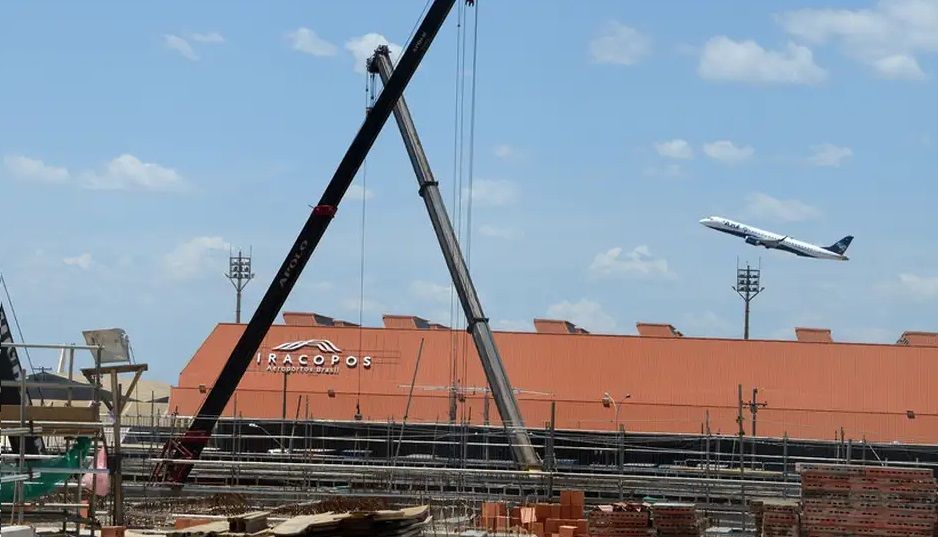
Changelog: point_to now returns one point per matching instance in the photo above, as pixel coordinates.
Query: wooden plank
(49, 413)
(252, 522)
(208, 529)
(299, 525)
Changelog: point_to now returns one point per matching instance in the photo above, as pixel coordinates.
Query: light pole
(747, 287)
(608, 401)
(239, 274)
(272, 437)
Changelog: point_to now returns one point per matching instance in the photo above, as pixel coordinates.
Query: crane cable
(457, 187)
(369, 103)
(471, 164)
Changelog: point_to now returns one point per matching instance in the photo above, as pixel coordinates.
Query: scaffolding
(64, 422)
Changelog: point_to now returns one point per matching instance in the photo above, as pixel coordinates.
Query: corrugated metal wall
(811, 389)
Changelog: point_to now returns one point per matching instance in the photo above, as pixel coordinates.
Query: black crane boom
(478, 324)
(191, 444)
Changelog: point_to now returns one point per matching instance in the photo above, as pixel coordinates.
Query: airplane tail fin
(840, 246)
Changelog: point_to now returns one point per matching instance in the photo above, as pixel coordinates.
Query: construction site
(297, 423)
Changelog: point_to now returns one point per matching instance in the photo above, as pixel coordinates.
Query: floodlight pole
(239, 274)
(747, 287)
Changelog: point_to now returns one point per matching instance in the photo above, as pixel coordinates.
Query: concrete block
(17, 531)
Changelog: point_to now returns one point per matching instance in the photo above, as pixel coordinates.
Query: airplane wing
(766, 242)
(773, 244)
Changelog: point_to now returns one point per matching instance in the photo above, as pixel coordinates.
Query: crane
(173, 465)
(478, 325)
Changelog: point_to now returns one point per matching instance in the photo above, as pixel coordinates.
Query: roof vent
(919, 339)
(657, 330)
(556, 326)
(306, 318)
(813, 335)
(410, 322)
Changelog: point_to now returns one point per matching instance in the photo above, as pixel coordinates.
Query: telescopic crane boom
(502, 393)
(172, 466)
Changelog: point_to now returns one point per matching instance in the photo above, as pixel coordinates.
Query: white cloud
(211, 37)
(886, 37)
(918, 288)
(364, 47)
(619, 44)
(898, 67)
(127, 172)
(510, 234)
(765, 206)
(727, 152)
(745, 61)
(584, 313)
(196, 257)
(180, 45)
(82, 261)
(34, 169)
(677, 149)
(358, 192)
(505, 151)
(638, 263)
(829, 155)
(306, 41)
(493, 193)
(431, 292)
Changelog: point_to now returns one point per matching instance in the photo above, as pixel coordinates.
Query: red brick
(567, 531)
(113, 531)
(555, 510)
(188, 522)
(551, 525)
(541, 511)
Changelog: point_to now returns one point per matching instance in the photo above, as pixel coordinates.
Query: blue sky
(141, 140)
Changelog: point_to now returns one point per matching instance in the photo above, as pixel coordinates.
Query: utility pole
(742, 431)
(742, 465)
(747, 287)
(754, 406)
(283, 413)
(239, 274)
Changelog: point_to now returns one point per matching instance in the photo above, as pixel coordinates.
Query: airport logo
(327, 359)
(322, 344)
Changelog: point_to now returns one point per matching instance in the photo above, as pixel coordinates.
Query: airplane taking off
(760, 237)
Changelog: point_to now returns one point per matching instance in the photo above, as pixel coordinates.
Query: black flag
(11, 371)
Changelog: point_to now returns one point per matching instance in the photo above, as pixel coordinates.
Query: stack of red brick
(621, 520)
(564, 519)
(676, 519)
(779, 518)
(867, 500)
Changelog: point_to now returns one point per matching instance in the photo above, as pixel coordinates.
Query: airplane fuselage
(767, 239)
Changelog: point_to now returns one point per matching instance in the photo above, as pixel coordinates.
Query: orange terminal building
(316, 367)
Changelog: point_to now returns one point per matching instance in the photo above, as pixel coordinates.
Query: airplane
(760, 237)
